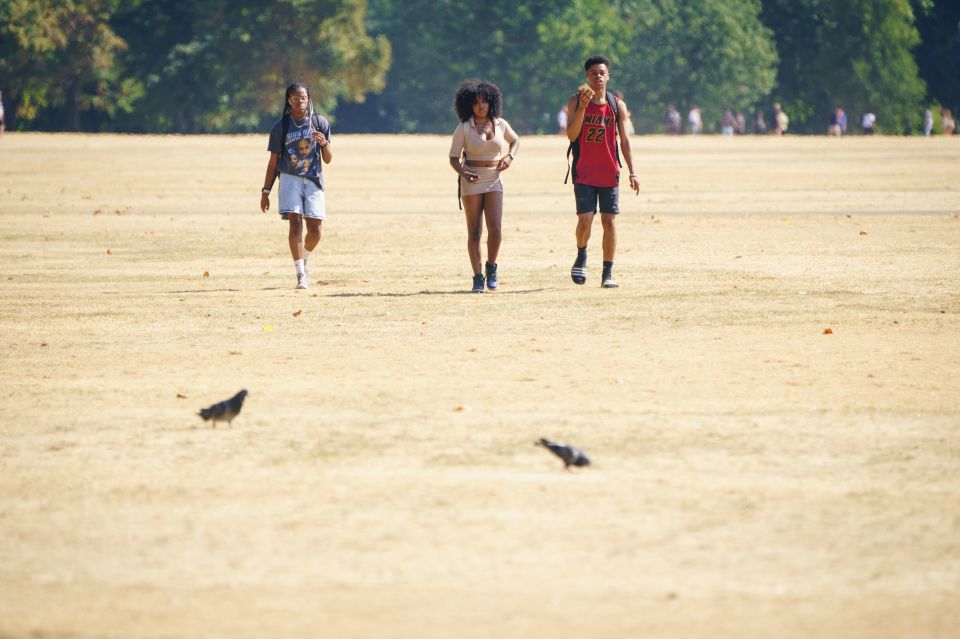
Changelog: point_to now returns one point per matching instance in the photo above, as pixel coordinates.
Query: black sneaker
(478, 283)
(492, 281)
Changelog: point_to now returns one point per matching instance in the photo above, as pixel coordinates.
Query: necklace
(482, 130)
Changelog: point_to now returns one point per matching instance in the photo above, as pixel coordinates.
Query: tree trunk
(71, 100)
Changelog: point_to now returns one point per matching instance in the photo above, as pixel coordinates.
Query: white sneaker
(303, 281)
(608, 281)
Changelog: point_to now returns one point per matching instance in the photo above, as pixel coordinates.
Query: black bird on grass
(571, 455)
(224, 411)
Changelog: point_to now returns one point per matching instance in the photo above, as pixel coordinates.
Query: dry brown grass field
(753, 476)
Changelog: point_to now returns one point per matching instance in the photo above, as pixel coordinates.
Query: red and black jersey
(595, 158)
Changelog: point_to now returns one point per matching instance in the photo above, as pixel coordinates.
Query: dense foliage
(390, 66)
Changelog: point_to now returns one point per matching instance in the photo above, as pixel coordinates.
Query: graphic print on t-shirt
(299, 154)
(301, 151)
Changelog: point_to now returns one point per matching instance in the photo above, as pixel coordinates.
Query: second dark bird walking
(571, 455)
(224, 411)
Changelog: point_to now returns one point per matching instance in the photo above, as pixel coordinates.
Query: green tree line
(392, 66)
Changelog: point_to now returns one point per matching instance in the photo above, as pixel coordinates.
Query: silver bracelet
(265, 191)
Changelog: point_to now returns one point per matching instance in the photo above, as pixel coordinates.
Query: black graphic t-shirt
(300, 155)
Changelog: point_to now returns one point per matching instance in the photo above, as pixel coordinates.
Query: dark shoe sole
(578, 275)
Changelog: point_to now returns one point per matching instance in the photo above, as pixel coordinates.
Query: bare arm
(324, 145)
(625, 146)
(455, 164)
(514, 141)
(268, 180)
(576, 107)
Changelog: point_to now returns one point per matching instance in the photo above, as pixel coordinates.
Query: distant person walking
(838, 123)
(867, 123)
(780, 119)
(739, 123)
(673, 121)
(695, 120)
(3, 121)
(298, 141)
(479, 153)
(759, 124)
(562, 120)
(727, 122)
(595, 123)
(927, 122)
(947, 123)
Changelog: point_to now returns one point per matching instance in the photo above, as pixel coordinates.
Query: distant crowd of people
(730, 123)
(735, 123)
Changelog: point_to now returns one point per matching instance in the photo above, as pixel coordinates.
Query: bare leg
(609, 235)
(314, 227)
(493, 212)
(473, 210)
(584, 223)
(295, 236)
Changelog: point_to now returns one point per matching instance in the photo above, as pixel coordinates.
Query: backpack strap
(612, 101)
(571, 149)
(463, 155)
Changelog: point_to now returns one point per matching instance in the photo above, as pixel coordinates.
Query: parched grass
(753, 475)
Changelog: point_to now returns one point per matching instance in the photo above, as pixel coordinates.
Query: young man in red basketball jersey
(593, 124)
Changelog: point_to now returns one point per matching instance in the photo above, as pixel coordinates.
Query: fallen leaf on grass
(109, 252)
(297, 313)
(206, 273)
(181, 396)
(828, 331)
(863, 232)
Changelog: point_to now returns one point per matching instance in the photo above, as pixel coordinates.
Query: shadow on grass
(428, 292)
(372, 294)
(205, 290)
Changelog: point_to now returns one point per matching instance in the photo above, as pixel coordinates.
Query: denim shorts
(588, 197)
(301, 196)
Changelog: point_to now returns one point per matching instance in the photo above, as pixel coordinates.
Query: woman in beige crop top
(483, 146)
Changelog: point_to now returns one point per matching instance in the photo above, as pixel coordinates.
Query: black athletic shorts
(588, 197)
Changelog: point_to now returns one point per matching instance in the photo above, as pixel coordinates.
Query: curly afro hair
(472, 90)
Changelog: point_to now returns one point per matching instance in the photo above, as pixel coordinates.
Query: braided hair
(287, 110)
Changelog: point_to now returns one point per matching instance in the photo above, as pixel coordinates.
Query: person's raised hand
(585, 92)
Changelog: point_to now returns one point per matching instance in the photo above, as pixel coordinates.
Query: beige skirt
(488, 181)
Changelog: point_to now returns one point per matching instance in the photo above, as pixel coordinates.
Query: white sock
(298, 264)
(306, 255)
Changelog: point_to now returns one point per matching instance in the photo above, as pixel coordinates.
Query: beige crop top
(466, 138)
